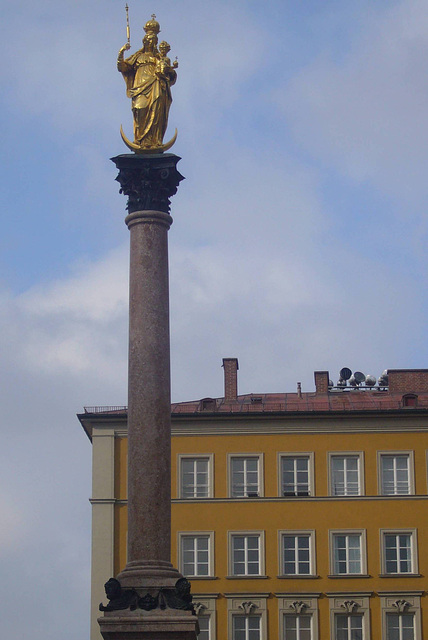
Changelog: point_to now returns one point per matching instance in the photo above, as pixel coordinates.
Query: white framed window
(298, 616)
(401, 615)
(246, 553)
(297, 553)
(196, 554)
(297, 627)
(195, 476)
(400, 626)
(399, 551)
(246, 627)
(204, 627)
(348, 552)
(350, 616)
(396, 473)
(346, 473)
(245, 475)
(205, 609)
(348, 626)
(247, 616)
(296, 474)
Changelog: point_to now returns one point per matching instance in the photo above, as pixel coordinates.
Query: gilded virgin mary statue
(149, 75)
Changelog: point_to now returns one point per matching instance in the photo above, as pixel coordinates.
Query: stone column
(149, 598)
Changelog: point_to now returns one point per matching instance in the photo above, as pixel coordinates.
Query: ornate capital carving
(401, 605)
(247, 607)
(148, 181)
(298, 606)
(349, 605)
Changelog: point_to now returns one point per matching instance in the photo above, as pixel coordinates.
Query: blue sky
(299, 236)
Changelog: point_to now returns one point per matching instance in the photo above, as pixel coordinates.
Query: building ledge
(352, 576)
(247, 577)
(400, 575)
(297, 577)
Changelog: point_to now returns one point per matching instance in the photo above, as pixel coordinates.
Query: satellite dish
(359, 377)
(383, 379)
(345, 373)
(370, 381)
(341, 383)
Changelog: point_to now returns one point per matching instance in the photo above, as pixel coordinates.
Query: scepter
(128, 33)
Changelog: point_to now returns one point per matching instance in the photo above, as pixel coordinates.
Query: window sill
(400, 575)
(247, 577)
(349, 575)
(397, 495)
(201, 577)
(296, 576)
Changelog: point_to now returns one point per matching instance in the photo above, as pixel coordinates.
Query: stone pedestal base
(148, 603)
(150, 625)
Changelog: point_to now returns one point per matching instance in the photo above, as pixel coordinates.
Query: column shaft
(149, 403)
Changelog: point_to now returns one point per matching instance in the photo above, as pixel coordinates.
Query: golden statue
(149, 75)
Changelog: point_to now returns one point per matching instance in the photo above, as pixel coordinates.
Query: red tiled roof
(355, 400)
(350, 400)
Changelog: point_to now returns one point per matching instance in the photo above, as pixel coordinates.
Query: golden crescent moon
(138, 149)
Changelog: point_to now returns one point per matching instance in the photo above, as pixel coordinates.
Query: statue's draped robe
(151, 97)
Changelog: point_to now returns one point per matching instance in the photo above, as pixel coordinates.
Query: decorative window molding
(348, 552)
(245, 475)
(246, 554)
(195, 476)
(196, 553)
(399, 552)
(396, 475)
(298, 613)
(349, 611)
(296, 474)
(247, 607)
(296, 553)
(346, 473)
(199, 608)
(205, 607)
(401, 615)
(298, 606)
(401, 605)
(349, 605)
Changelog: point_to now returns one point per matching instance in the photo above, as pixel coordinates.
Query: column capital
(149, 181)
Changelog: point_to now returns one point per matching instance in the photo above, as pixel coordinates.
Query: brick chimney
(408, 380)
(231, 367)
(321, 381)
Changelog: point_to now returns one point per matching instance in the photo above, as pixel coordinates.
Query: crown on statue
(152, 25)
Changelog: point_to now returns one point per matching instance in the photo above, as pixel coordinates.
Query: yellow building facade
(299, 516)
